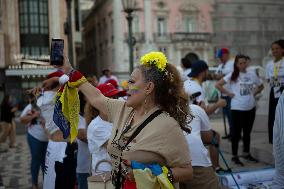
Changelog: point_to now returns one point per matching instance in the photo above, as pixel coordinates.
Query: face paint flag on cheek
(133, 90)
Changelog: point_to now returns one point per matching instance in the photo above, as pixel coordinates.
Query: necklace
(119, 143)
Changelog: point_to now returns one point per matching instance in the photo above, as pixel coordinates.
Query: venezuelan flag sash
(67, 106)
(151, 176)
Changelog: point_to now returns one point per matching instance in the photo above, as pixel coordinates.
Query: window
(162, 26)
(77, 15)
(33, 17)
(189, 24)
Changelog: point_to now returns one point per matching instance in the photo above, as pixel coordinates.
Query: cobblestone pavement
(15, 166)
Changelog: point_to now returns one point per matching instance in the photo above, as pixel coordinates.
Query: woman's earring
(145, 104)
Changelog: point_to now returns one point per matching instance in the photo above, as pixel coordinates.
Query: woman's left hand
(127, 171)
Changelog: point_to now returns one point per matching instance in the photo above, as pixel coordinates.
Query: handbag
(101, 181)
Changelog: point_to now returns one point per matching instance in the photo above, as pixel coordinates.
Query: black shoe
(237, 161)
(220, 170)
(250, 158)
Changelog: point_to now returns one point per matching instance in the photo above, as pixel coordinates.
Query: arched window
(33, 17)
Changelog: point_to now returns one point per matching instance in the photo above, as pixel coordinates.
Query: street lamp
(129, 6)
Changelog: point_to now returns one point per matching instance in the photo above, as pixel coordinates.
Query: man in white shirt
(107, 75)
(225, 67)
(198, 74)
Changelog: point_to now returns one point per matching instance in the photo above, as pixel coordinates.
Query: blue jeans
(38, 150)
(82, 180)
(227, 112)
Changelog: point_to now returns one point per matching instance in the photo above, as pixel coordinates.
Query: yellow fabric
(71, 105)
(145, 179)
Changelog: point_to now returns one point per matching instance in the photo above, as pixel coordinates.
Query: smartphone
(56, 52)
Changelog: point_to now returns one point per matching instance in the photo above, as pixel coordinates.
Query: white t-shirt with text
(243, 90)
(279, 66)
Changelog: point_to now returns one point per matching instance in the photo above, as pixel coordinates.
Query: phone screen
(56, 52)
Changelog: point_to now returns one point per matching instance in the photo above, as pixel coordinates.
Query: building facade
(248, 26)
(175, 27)
(26, 29)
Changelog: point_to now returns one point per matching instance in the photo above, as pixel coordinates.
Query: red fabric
(113, 82)
(75, 75)
(57, 73)
(129, 184)
(108, 90)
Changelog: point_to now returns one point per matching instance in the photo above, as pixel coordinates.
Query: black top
(6, 113)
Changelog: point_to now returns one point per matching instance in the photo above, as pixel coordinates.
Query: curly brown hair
(169, 93)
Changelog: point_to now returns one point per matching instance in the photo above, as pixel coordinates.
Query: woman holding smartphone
(242, 88)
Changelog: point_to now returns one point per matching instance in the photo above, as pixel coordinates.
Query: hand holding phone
(57, 52)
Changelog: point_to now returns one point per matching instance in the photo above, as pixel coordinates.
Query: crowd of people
(159, 119)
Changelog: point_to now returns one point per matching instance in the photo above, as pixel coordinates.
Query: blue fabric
(156, 169)
(38, 150)
(60, 120)
(82, 180)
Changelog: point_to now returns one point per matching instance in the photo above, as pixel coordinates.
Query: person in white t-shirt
(243, 85)
(107, 75)
(99, 132)
(193, 88)
(83, 155)
(225, 67)
(36, 137)
(204, 176)
(275, 77)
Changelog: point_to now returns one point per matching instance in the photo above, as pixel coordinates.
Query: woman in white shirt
(99, 132)
(36, 137)
(242, 88)
(275, 77)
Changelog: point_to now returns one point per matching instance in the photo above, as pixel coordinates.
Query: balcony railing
(198, 37)
(182, 36)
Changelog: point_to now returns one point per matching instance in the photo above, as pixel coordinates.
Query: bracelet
(170, 175)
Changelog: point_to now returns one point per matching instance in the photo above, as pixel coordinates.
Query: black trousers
(66, 171)
(242, 121)
(271, 114)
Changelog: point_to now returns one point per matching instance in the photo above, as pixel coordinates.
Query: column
(118, 63)
(54, 20)
(149, 43)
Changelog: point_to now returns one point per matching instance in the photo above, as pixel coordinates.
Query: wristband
(170, 175)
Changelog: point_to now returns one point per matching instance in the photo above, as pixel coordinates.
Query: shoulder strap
(139, 129)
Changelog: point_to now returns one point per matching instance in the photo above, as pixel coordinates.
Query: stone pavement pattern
(15, 165)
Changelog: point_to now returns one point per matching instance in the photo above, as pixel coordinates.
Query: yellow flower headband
(157, 59)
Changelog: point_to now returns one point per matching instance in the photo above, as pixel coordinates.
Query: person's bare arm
(82, 135)
(206, 136)
(258, 90)
(209, 109)
(29, 117)
(219, 85)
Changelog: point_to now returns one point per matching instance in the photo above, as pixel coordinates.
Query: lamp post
(129, 6)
